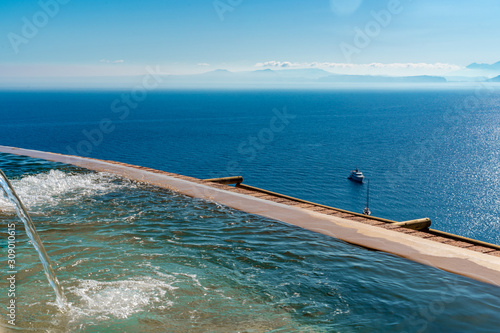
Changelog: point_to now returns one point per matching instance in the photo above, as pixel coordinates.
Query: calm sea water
(135, 258)
(427, 153)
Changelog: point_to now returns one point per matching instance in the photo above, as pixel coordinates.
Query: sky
(95, 38)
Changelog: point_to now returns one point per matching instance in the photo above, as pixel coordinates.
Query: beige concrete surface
(473, 264)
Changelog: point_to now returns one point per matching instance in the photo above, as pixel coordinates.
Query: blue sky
(120, 37)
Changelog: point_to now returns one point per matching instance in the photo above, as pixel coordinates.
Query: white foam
(52, 187)
(118, 299)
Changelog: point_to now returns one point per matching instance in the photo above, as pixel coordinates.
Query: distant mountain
(311, 73)
(495, 79)
(294, 77)
(259, 74)
(466, 78)
(217, 72)
(383, 79)
(485, 67)
(263, 71)
(300, 73)
(262, 76)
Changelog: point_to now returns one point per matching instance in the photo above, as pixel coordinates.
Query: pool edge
(437, 253)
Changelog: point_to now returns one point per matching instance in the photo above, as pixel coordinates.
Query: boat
(356, 176)
(366, 211)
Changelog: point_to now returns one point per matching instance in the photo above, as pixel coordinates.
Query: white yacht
(356, 176)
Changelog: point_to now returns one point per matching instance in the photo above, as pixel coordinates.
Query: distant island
(495, 79)
(485, 67)
(308, 76)
(269, 78)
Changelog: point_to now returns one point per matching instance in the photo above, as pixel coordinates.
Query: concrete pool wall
(480, 262)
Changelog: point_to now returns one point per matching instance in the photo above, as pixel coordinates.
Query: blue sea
(132, 257)
(429, 154)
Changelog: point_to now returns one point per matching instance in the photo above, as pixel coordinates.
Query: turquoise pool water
(135, 258)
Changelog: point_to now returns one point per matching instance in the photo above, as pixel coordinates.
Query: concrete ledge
(459, 260)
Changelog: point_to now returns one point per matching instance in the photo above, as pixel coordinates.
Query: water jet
(22, 212)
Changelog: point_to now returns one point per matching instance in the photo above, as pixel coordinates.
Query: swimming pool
(132, 257)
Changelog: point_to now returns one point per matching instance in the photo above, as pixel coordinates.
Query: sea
(132, 257)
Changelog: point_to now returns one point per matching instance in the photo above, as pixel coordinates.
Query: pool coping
(460, 257)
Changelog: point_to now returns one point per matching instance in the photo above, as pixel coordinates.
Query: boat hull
(355, 178)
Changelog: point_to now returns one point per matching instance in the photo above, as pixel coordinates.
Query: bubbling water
(8, 190)
(47, 189)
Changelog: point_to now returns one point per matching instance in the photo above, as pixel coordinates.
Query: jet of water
(8, 190)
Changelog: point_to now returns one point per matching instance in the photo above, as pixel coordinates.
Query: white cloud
(203, 64)
(371, 68)
(278, 64)
(333, 65)
(106, 61)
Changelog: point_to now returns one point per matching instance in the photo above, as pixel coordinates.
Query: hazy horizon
(66, 42)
